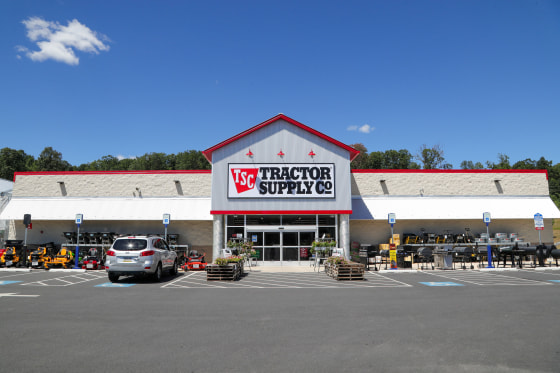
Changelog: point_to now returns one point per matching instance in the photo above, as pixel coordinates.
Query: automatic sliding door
(290, 246)
(272, 246)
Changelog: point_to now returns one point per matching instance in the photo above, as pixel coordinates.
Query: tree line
(12, 160)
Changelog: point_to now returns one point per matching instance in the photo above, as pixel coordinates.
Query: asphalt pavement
(277, 321)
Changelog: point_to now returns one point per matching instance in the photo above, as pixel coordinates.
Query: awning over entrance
(108, 208)
(434, 208)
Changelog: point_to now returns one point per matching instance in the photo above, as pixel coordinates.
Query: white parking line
(486, 278)
(385, 281)
(285, 281)
(16, 295)
(66, 280)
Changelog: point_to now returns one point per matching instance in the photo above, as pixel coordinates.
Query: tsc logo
(244, 178)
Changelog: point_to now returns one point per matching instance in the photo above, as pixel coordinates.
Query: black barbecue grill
(521, 252)
(83, 238)
(463, 254)
(107, 237)
(425, 257)
(70, 237)
(94, 238)
(555, 254)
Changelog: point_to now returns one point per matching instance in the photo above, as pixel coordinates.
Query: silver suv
(140, 255)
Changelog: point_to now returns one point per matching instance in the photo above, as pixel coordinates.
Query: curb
(15, 270)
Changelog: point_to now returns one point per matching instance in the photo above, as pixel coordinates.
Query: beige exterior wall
(449, 184)
(113, 185)
(199, 184)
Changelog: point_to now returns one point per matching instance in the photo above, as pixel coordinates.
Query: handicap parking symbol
(554, 280)
(441, 284)
(8, 282)
(113, 285)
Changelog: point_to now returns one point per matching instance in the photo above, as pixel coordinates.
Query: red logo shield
(244, 178)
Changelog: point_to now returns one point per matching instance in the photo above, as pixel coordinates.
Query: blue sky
(125, 78)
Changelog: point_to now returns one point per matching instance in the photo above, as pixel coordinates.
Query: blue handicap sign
(441, 284)
(8, 282)
(554, 280)
(113, 285)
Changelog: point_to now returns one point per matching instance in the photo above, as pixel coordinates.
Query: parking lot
(431, 321)
(22, 281)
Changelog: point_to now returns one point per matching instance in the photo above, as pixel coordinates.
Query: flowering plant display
(226, 261)
(221, 261)
(247, 248)
(337, 260)
(235, 259)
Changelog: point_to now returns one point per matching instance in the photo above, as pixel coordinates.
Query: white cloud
(366, 128)
(59, 43)
(120, 157)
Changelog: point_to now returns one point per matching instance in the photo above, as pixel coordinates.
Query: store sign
(272, 180)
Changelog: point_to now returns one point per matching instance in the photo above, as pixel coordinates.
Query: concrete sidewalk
(305, 267)
(296, 268)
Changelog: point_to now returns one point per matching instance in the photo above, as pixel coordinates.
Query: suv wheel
(174, 270)
(158, 273)
(113, 277)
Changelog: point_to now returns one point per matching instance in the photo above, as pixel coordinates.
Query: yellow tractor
(13, 254)
(63, 259)
(39, 257)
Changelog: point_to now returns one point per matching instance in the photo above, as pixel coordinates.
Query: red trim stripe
(281, 212)
(132, 172)
(439, 171)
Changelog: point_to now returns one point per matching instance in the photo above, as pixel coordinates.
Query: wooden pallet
(229, 272)
(349, 271)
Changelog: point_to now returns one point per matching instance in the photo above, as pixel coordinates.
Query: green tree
(106, 163)
(503, 163)
(431, 158)
(361, 161)
(12, 160)
(376, 161)
(398, 159)
(51, 160)
(543, 164)
(469, 165)
(191, 160)
(153, 161)
(554, 183)
(526, 164)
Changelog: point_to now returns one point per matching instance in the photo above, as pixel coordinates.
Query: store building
(281, 185)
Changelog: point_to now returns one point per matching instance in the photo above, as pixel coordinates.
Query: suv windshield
(130, 244)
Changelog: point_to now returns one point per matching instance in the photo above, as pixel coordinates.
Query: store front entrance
(279, 239)
(284, 245)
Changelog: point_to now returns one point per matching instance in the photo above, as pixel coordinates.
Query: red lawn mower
(92, 260)
(195, 262)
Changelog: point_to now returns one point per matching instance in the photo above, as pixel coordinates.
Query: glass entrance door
(283, 246)
(272, 250)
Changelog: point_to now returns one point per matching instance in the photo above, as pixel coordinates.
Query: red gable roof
(208, 152)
